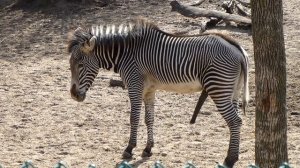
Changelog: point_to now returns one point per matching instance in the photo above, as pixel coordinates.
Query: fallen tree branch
(228, 6)
(198, 3)
(194, 12)
(242, 11)
(246, 4)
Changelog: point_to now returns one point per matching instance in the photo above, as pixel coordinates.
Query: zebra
(149, 59)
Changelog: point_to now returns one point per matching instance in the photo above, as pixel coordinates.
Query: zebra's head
(83, 64)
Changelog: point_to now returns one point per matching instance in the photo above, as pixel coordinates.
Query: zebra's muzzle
(77, 95)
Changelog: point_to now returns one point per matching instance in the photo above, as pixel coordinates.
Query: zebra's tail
(245, 68)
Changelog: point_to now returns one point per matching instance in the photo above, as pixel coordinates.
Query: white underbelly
(189, 87)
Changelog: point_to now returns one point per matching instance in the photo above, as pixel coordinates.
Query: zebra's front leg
(149, 120)
(135, 96)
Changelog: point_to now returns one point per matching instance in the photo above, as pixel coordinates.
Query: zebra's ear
(78, 29)
(88, 46)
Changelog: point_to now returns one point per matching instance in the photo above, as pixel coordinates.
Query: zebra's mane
(80, 36)
(133, 29)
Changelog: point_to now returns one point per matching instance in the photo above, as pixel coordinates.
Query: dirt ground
(40, 122)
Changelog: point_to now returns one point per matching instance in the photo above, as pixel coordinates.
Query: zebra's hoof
(146, 154)
(229, 162)
(127, 155)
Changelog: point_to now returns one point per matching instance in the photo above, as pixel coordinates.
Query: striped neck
(115, 43)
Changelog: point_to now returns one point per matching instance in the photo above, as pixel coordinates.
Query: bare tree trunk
(270, 80)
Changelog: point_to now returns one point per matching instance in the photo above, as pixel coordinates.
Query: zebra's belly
(189, 87)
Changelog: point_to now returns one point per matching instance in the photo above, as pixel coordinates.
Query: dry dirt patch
(39, 121)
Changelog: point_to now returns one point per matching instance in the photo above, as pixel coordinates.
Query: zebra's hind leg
(200, 102)
(149, 120)
(234, 122)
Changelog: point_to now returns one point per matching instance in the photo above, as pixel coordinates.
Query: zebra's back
(182, 61)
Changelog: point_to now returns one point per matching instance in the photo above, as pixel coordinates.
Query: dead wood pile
(237, 11)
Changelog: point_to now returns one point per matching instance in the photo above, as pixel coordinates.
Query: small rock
(164, 154)
(79, 124)
(106, 148)
(206, 113)
(63, 153)
(177, 137)
(295, 113)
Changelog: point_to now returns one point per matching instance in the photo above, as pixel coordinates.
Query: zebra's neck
(114, 43)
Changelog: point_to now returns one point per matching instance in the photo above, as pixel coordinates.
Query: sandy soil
(39, 120)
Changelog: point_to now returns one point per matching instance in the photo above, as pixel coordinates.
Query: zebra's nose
(76, 95)
(73, 91)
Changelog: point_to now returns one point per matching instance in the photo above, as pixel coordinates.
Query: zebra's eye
(80, 65)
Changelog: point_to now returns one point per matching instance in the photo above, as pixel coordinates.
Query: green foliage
(61, 164)
(189, 165)
(92, 166)
(252, 166)
(157, 164)
(221, 166)
(285, 165)
(27, 164)
(124, 164)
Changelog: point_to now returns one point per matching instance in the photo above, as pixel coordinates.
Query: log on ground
(194, 12)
